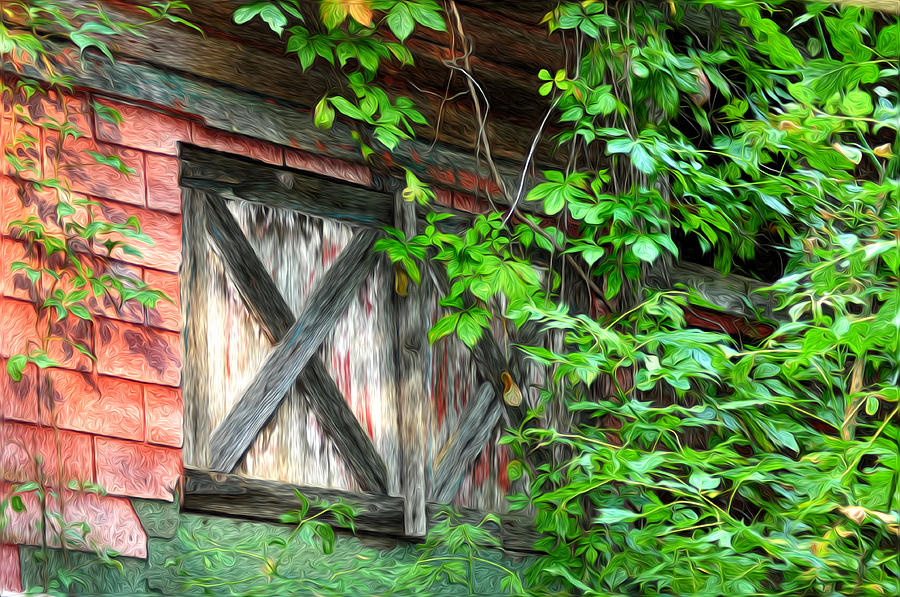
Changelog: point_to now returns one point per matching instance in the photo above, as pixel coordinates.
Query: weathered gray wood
(491, 363)
(733, 294)
(221, 494)
(268, 307)
(230, 495)
(326, 304)
(466, 442)
(314, 195)
(412, 344)
(194, 283)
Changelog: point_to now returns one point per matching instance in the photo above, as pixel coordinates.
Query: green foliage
(700, 463)
(450, 562)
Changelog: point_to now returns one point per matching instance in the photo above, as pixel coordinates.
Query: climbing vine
(66, 269)
(697, 462)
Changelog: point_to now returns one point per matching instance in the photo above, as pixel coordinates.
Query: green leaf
(871, 405)
(645, 249)
(266, 11)
(401, 21)
(443, 327)
(15, 366)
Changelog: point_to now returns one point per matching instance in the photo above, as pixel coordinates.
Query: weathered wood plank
(244, 63)
(268, 307)
(194, 282)
(733, 294)
(311, 194)
(516, 533)
(221, 494)
(466, 442)
(326, 304)
(230, 495)
(412, 364)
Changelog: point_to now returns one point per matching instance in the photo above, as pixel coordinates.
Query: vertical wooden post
(194, 282)
(412, 369)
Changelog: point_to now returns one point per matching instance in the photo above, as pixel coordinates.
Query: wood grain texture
(246, 61)
(232, 495)
(412, 343)
(194, 284)
(264, 301)
(229, 495)
(319, 196)
(734, 294)
(466, 441)
(328, 301)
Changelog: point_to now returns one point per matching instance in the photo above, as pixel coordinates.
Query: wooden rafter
(268, 307)
(326, 303)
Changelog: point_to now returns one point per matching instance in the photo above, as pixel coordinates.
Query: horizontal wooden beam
(260, 64)
(231, 495)
(326, 303)
(268, 307)
(733, 294)
(250, 114)
(221, 494)
(311, 194)
(466, 442)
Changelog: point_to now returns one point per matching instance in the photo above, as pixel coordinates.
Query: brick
(10, 574)
(441, 175)
(24, 141)
(97, 404)
(163, 190)
(237, 144)
(51, 107)
(348, 171)
(165, 411)
(23, 443)
(166, 314)
(112, 523)
(85, 175)
(162, 228)
(19, 398)
(138, 353)
(464, 202)
(137, 470)
(17, 284)
(19, 200)
(142, 128)
(17, 324)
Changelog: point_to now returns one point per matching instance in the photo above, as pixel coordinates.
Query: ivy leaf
(443, 327)
(15, 366)
(335, 12)
(401, 21)
(323, 116)
(645, 249)
(266, 11)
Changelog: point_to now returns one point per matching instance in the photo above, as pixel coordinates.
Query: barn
(292, 357)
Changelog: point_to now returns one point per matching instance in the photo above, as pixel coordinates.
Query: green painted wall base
(351, 568)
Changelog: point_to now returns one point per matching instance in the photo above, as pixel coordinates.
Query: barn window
(304, 367)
